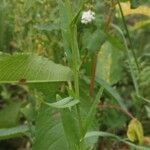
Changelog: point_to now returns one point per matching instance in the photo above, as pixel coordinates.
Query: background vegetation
(114, 94)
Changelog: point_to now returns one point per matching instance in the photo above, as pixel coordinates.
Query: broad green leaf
(69, 120)
(49, 130)
(92, 134)
(64, 103)
(71, 127)
(49, 89)
(17, 131)
(32, 69)
(135, 131)
(9, 115)
(109, 63)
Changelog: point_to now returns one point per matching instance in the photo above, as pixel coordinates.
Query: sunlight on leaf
(135, 131)
(140, 24)
(108, 67)
(143, 10)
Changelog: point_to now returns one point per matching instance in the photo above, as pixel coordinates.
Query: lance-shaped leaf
(32, 69)
(90, 136)
(64, 103)
(6, 133)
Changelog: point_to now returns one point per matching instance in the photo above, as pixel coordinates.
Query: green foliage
(13, 132)
(64, 103)
(105, 134)
(11, 113)
(71, 128)
(32, 69)
(65, 22)
(93, 41)
(112, 92)
(49, 130)
(63, 107)
(109, 64)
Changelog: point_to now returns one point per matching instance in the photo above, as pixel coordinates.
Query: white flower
(87, 17)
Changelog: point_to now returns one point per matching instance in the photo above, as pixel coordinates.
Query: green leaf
(93, 40)
(71, 128)
(64, 103)
(49, 130)
(92, 110)
(18, 131)
(100, 133)
(108, 63)
(32, 69)
(65, 28)
(135, 131)
(6, 26)
(93, 134)
(111, 92)
(9, 115)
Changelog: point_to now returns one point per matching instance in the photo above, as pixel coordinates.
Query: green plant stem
(75, 57)
(75, 65)
(128, 35)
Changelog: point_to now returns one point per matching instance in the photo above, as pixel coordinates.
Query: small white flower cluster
(87, 17)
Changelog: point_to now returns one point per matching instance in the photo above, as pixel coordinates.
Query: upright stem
(128, 35)
(75, 65)
(75, 57)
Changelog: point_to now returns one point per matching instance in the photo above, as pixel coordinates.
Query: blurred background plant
(34, 26)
